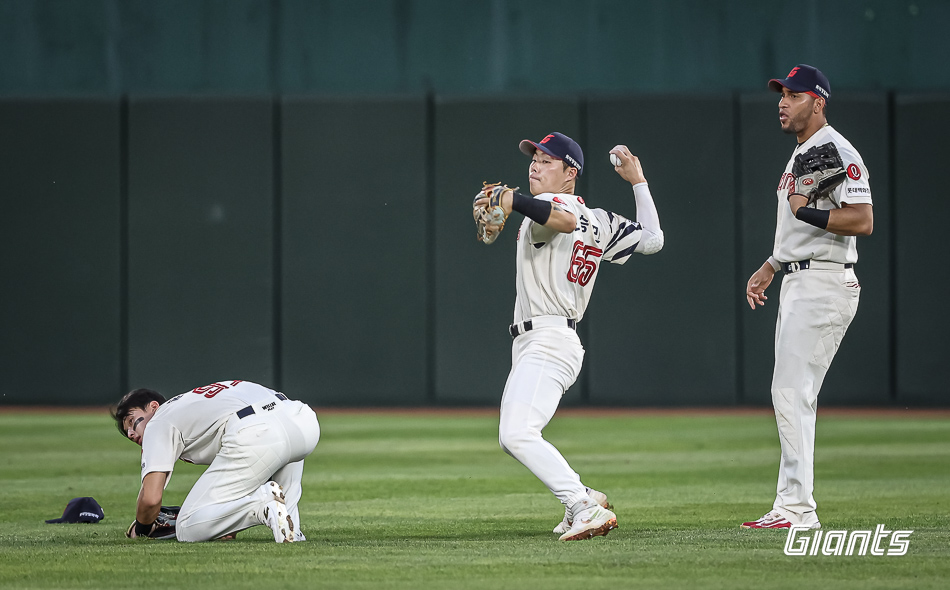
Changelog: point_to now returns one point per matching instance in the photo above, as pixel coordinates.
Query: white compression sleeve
(649, 220)
(647, 216)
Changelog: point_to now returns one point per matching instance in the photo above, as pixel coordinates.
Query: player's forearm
(851, 220)
(150, 498)
(651, 240)
(147, 513)
(647, 216)
(541, 212)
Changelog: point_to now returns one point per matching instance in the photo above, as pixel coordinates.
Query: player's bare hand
(758, 283)
(629, 168)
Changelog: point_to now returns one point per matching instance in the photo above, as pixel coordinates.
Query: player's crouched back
(254, 440)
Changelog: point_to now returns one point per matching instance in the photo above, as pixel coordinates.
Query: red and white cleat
(774, 520)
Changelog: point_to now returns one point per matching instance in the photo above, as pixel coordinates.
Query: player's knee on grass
(186, 533)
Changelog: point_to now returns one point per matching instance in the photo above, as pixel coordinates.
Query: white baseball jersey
(189, 426)
(796, 240)
(556, 271)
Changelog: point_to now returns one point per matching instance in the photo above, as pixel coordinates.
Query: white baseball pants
(228, 497)
(545, 362)
(815, 309)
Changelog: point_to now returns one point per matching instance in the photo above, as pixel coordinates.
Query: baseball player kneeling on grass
(254, 441)
(824, 201)
(561, 246)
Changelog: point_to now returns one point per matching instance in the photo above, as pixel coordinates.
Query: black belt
(790, 267)
(528, 325)
(249, 410)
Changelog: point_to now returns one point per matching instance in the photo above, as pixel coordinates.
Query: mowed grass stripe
(400, 501)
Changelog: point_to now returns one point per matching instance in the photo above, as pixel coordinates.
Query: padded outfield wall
(323, 245)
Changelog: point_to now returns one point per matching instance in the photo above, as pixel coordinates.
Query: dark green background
(465, 46)
(278, 191)
(325, 246)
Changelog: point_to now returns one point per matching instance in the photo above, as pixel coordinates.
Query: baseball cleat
(773, 520)
(599, 497)
(276, 517)
(274, 491)
(565, 524)
(593, 522)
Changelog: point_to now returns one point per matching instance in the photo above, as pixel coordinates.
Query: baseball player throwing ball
(824, 200)
(561, 246)
(254, 441)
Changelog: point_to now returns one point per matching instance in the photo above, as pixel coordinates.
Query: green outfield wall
(324, 246)
(278, 190)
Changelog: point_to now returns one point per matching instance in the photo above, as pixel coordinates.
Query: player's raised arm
(542, 212)
(628, 167)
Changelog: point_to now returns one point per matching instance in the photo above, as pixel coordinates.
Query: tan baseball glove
(490, 217)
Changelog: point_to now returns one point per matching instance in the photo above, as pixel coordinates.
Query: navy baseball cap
(81, 510)
(557, 145)
(804, 78)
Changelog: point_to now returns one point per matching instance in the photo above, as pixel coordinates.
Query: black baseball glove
(818, 172)
(164, 525)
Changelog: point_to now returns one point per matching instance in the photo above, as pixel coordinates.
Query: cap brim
(776, 85)
(527, 147)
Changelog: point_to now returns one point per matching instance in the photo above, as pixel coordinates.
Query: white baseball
(615, 160)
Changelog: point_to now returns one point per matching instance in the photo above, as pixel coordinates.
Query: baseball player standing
(561, 245)
(819, 213)
(254, 441)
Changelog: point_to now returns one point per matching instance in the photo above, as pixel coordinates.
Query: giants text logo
(844, 543)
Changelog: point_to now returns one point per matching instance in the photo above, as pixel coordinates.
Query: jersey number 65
(582, 267)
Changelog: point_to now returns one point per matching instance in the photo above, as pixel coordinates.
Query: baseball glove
(818, 172)
(490, 218)
(164, 525)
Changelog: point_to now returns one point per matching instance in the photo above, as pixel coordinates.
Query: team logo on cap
(793, 72)
(854, 172)
(547, 138)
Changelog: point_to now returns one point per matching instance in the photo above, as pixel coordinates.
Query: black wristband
(535, 209)
(816, 217)
(142, 530)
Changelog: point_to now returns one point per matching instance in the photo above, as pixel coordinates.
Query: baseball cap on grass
(81, 510)
(804, 78)
(557, 145)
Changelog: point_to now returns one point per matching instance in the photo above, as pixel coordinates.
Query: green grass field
(421, 500)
